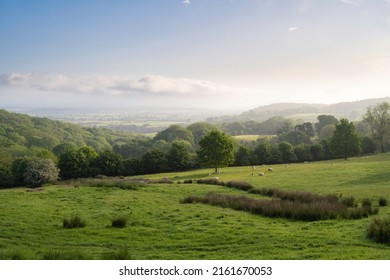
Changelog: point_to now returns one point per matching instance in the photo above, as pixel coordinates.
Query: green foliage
(216, 149)
(74, 222)
(379, 230)
(77, 163)
(119, 222)
(175, 132)
(382, 202)
(378, 118)
(242, 157)
(6, 179)
(107, 163)
(345, 141)
(263, 153)
(199, 130)
(325, 120)
(26, 131)
(179, 156)
(369, 145)
(286, 152)
(303, 153)
(154, 162)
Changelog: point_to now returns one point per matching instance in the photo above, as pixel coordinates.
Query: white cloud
(293, 28)
(149, 84)
(351, 2)
(186, 2)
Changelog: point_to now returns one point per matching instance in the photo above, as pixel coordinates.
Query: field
(250, 138)
(160, 227)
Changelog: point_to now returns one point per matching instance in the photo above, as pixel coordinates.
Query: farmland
(159, 226)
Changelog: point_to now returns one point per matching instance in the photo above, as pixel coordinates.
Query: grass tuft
(379, 230)
(74, 222)
(119, 222)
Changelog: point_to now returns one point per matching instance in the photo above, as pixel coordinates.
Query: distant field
(160, 227)
(250, 138)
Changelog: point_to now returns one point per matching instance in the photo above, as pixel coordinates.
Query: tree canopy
(345, 140)
(216, 149)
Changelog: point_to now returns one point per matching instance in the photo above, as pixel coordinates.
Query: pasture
(159, 226)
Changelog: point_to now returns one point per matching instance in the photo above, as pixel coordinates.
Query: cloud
(149, 84)
(293, 28)
(186, 2)
(351, 2)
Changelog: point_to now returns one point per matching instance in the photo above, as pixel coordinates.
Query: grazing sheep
(270, 169)
(261, 174)
(216, 178)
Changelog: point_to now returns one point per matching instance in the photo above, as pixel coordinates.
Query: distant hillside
(27, 131)
(308, 112)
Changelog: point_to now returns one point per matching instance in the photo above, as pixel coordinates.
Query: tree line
(182, 148)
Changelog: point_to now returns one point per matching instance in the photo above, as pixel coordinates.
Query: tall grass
(298, 196)
(295, 209)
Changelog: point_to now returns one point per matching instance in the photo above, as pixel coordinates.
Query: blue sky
(197, 53)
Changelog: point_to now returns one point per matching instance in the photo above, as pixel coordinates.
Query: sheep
(261, 174)
(270, 169)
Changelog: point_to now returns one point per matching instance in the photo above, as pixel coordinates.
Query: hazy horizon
(217, 55)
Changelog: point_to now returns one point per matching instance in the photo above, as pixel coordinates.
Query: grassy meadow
(159, 226)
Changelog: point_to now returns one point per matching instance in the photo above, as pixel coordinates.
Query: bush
(293, 205)
(211, 181)
(382, 202)
(74, 222)
(239, 185)
(366, 203)
(119, 222)
(299, 196)
(348, 201)
(379, 230)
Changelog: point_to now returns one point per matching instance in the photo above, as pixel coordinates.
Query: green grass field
(250, 138)
(160, 227)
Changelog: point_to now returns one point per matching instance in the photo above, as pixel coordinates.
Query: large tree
(378, 118)
(345, 141)
(216, 149)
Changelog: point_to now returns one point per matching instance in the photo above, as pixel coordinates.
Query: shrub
(303, 207)
(119, 222)
(239, 185)
(366, 203)
(299, 196)
(190, 181)
(382, 202)
(74, 222)
(379, 230)
(348, 201)
(211, 181)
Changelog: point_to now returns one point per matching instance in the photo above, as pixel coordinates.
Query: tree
(107, 163)
(34, 171)
(286, 151)
(324, 120)
(242, 156)
(199, 130)
(303, 153)
(179, 158)
(345, 140)
(77, 163)
(378, 118)
(263, 153)
(154, 162)
(175, 132)
(216, 149)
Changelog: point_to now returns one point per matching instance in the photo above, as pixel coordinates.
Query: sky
(207, 54)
